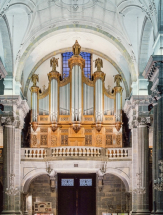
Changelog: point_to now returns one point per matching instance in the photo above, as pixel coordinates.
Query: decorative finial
(54, 63)
(35, 79)
(98, 64)
(118, 79)
(76, 48)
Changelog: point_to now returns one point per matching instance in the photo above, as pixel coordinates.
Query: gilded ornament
(118, 125)
(54, 63)
(54, 127)
(34, 126)
(76, 127)
(118, 79)
(76, 48)
(98, 64)
(35, 79)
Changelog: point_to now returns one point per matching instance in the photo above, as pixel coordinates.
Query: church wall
(40, 191)
(113, 197)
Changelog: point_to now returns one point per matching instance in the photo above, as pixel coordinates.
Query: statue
(54, 63)
(118, 79)
(98, 64)
(35, 79)
(76, 48)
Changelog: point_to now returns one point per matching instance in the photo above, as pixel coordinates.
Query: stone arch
(29, 177)
(69, 49)
(144, 45)
(122, 175)
(7, 45)
(85, 28)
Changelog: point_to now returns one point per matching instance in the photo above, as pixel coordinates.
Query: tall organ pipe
(54, 100)
(99, 100)
(76, 93)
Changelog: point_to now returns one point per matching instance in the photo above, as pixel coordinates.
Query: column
(154, 73)
(12, 126)
(137, 112)
(11, 167)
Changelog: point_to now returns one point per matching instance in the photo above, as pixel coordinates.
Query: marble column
(154, 73)
(11, 170)
(12, 125)
(140, 170)
(137, 111)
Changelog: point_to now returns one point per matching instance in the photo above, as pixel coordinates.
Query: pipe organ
(76, 111)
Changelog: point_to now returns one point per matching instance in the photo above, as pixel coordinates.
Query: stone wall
(113, 197)
(40, 191)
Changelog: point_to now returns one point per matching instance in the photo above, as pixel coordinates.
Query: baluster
(64, 150)
(52, 152)
(72, 151)
(60, 152)
(118, 155)
(126, 153)
(80, 152)
(76, 151)
(114, 153)
(91, 152)
(84, 152)
(98, 152)
(56, 152)
(30, 153)
(45, 155)
(41, 153)
(25, 153)
(87, 152)
(95, 152)
(34, 154)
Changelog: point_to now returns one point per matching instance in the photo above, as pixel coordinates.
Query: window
(84, 55)
(85, 182)
(67, 182)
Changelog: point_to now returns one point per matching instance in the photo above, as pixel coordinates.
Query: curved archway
(80, 28)
(67, 50)
(7, 45)
(144, 44)
(122, 175)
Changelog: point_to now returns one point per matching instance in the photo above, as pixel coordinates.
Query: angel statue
(54, 63)
(35, 79)
(98, 64)
(118, 79)
(76, 48)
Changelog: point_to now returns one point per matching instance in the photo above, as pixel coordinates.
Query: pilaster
(137, 111)
(154, 73)
(12, 120)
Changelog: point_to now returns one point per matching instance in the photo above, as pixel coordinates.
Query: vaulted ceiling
(123, 30)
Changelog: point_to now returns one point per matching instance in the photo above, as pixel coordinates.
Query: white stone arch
(26, 181)
(7, 45)
(122, 175)
(144, 44)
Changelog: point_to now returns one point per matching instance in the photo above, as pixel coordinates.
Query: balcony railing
(76, 151)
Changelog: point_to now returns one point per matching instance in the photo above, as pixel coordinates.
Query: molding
(83, 50)
(3, 72)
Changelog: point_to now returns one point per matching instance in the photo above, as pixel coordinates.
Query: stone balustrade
(76, 151)
(115, 153)
(35, 153)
